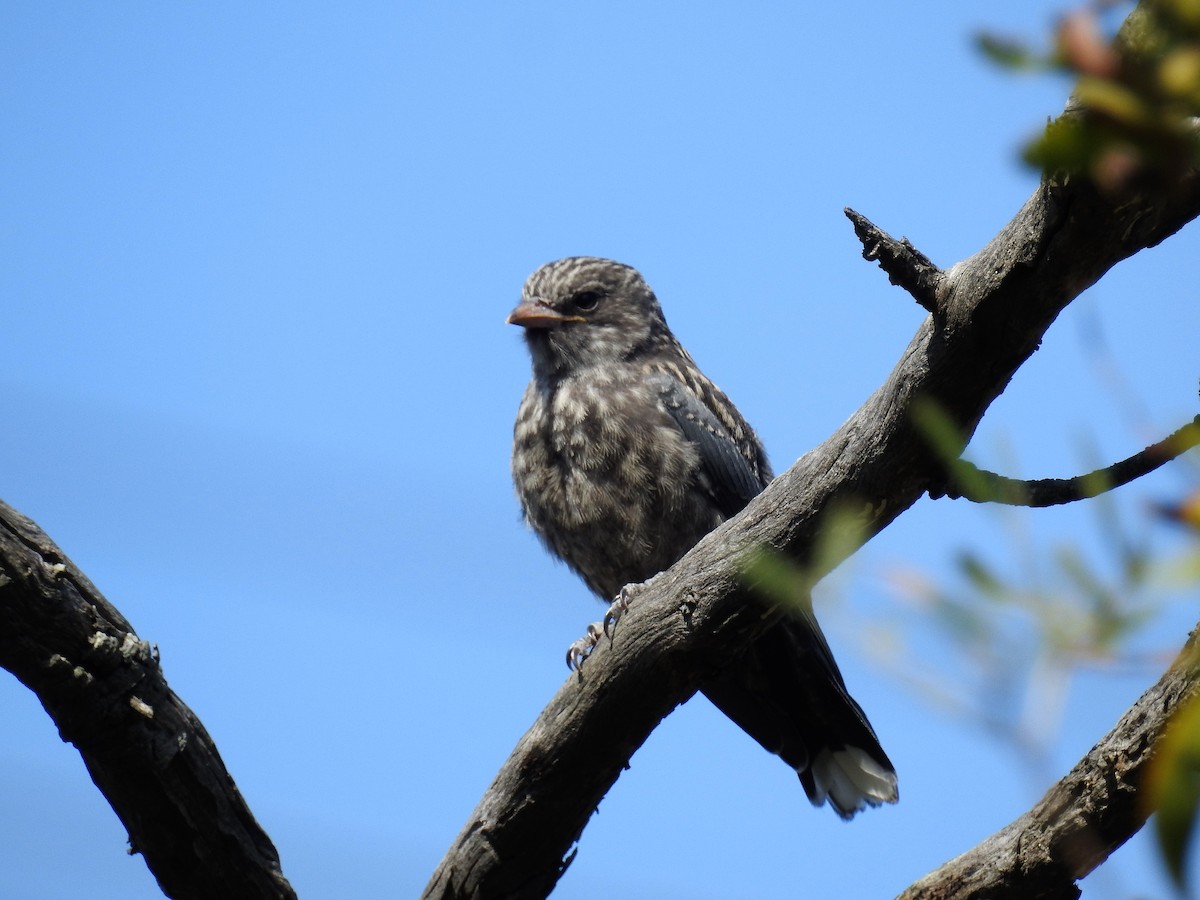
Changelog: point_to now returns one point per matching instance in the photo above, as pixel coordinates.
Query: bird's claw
(581, 649)
(619, 607)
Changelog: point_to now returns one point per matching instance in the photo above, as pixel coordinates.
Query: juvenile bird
(624, 456)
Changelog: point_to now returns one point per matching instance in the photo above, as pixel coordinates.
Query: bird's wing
(785, 690)
(731, 477)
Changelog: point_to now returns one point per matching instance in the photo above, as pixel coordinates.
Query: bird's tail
(787, 693)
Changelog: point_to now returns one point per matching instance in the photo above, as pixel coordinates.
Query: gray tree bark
(988, 315)
(1087, 815)
(145, 750)
(159, 769)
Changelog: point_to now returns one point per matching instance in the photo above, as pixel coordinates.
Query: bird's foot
(581, 649)
(619, 607)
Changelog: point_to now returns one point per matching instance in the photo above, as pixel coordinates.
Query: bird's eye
(586, 301)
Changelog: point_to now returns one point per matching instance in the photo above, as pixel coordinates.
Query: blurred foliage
(1132, 118)
(1021, 628)
(1024, 627)
(1024, 624)
(788, 584)
(1172, 789)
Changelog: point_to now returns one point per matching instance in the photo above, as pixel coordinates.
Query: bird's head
(582, 311)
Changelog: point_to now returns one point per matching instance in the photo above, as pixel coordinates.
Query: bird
(624, 456)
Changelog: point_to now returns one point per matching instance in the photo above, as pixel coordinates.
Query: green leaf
(1008, 52)
(945, 438)
(1179, 73)
(938, 429)
(980, 576)
(1113, 99)
(778, 579)
(1173, 788)
(1066, 145)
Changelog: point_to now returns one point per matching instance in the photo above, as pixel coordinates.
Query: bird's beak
(535, 314)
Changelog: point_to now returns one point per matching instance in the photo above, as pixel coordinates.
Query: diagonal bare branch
(145, 750)
(1082, 819)
(995, 309)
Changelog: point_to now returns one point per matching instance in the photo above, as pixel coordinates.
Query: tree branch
(1082, 819)
(997, 306)
(981, 486)
(905, 265)
(145, 750)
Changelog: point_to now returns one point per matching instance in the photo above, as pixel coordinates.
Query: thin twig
(970, 482)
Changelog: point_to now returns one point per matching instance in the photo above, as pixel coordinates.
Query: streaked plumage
(624, 456)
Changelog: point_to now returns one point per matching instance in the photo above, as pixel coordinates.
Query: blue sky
(257, 384)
